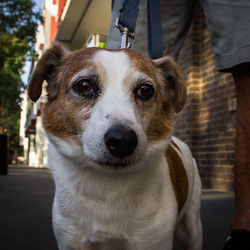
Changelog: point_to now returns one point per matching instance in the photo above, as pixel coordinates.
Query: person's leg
(240, 228)
(228, 22)
(114, 35)
(241, 219)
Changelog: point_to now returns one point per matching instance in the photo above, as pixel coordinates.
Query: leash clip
(125, 34)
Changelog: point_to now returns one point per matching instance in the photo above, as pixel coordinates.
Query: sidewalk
(26, 196)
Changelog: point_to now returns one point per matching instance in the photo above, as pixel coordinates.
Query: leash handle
(127, 20)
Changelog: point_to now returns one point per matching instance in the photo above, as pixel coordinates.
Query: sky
(39, 4)
(26, 68)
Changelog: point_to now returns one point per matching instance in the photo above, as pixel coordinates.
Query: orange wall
(53, 28)
(61, 6)
(55, 20)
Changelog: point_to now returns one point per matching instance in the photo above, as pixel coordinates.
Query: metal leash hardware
(125, 34)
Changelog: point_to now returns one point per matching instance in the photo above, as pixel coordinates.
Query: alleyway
(25, 212)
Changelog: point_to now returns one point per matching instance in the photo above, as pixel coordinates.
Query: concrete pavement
(26, 196)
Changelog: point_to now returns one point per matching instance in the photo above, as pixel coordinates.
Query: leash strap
(155, 49)
(127, 20)
(128, 14)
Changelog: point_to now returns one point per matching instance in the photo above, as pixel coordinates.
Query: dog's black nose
(120, 140)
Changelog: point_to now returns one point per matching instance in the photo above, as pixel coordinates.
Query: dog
(123, 181)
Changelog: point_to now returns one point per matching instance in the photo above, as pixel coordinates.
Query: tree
(18, 24)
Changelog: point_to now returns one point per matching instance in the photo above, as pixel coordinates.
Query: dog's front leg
(68, 237)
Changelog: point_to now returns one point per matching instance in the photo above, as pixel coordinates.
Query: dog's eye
(144, 92)
(85, 87)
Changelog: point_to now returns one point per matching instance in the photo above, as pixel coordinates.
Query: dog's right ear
(174, 81)
(46, 69)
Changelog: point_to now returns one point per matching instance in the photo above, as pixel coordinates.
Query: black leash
(154, 29)
(127, 21)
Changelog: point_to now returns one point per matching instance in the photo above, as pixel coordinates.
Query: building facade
(32, 134)
(65, 21)
(207, 122)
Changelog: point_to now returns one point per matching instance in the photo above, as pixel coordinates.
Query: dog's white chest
(128, 209)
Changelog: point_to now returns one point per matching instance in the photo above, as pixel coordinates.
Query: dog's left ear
(46, 69)
(174, 81)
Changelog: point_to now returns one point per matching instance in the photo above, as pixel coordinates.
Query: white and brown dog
(122, 181)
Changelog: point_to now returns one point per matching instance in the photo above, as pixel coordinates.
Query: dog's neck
(71, 167)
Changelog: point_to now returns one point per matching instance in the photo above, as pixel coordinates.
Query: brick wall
(207, 123)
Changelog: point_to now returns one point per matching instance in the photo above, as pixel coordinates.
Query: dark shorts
(228, 22)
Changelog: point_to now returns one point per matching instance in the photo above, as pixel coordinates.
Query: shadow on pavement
(26, 196)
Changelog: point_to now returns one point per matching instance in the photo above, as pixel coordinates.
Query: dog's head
(112, 106)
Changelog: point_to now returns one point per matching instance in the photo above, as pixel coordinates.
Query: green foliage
(18, 24)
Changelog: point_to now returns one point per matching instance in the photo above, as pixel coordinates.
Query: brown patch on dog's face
(65, 111)
(170, 93)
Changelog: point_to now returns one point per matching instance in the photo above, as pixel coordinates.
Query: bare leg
(241, 219)
(240, 235)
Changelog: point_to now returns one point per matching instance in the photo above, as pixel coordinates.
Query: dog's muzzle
(121, 141)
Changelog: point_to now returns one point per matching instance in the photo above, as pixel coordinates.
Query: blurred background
(206, 124)
(28, 28)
